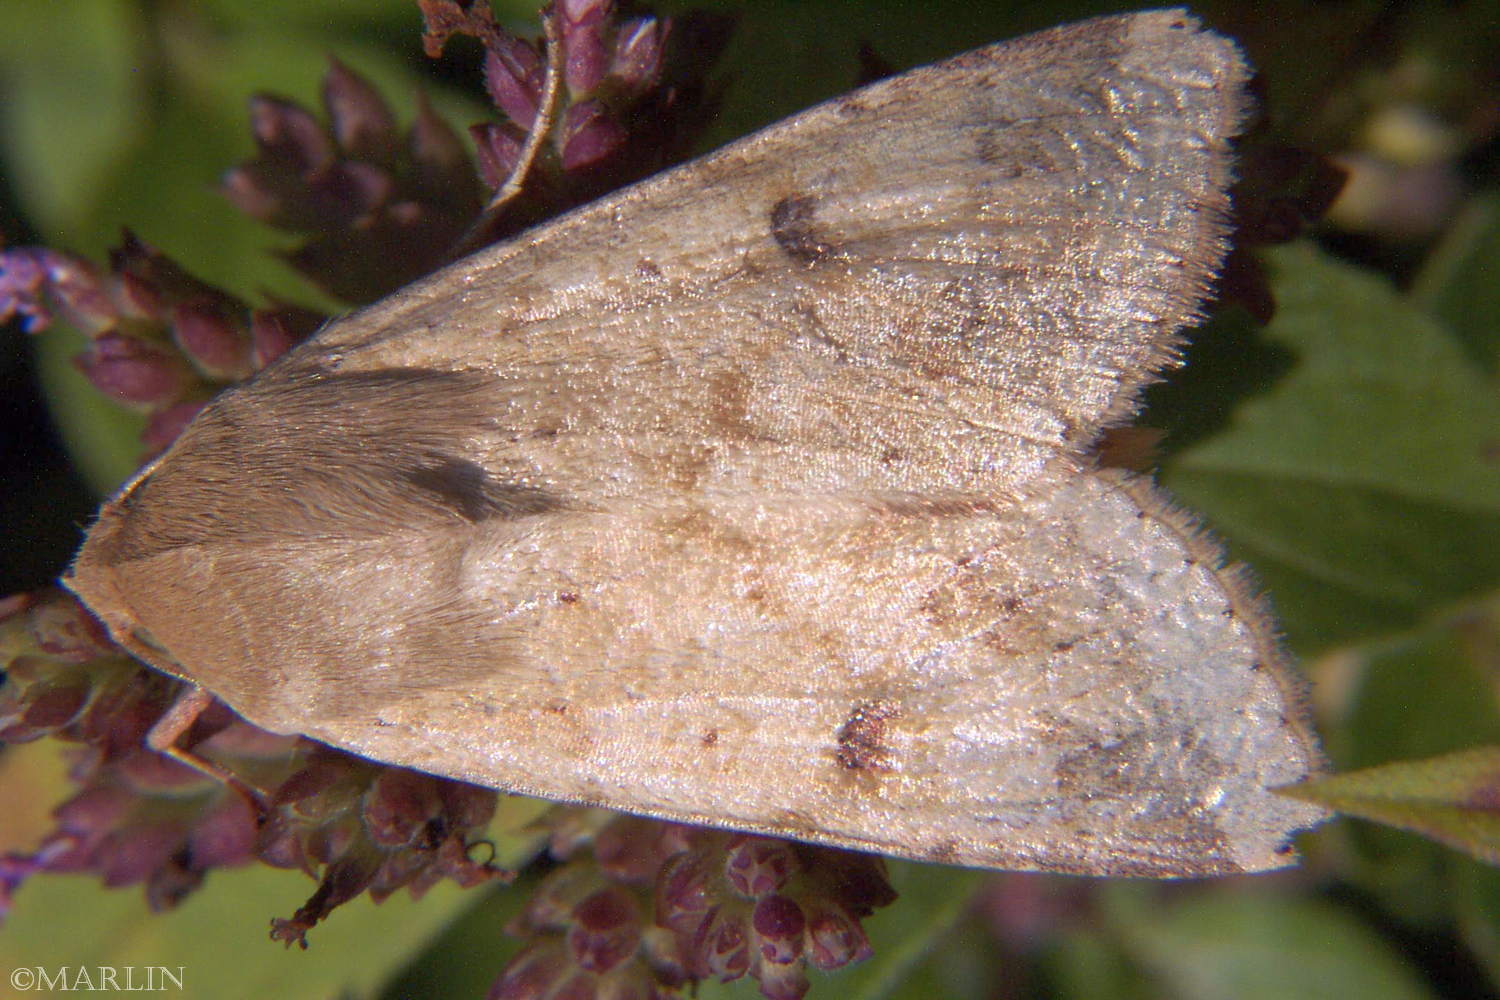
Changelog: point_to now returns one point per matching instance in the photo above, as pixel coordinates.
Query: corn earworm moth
(759, 495)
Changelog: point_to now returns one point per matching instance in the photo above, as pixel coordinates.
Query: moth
(760, 495)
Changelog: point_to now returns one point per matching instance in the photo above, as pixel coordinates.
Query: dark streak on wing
(792, 226)
(468, 488)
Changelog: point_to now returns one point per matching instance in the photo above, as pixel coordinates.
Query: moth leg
(164, 734)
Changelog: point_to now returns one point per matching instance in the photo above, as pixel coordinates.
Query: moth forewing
(757, 495)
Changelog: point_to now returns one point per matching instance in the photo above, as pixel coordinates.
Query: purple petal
(589, 135)
(362, 122)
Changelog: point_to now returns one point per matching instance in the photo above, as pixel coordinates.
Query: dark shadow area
(1227, 360)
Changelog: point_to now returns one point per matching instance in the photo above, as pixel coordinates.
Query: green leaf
(1454, 798)
(465, 958)
(1473, 894)
(1085, 963)
(60, 150)
(1459, 282)
(1256, 946)
(1356, 484)
(219, 935)
(1449, 664)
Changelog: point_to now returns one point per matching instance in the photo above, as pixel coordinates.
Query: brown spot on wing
(794, 229)
(944, 852)
(862, 737)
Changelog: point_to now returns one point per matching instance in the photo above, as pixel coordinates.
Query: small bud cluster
(624, 109)
(161, 341)
(654, 905)
(139, 817)
(378, 209)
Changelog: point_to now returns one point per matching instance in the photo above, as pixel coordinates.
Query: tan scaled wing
(756, 495)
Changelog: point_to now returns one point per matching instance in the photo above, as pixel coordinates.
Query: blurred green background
(1349, 452)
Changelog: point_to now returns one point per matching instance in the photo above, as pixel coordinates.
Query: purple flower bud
(580, 986)
(132, 370)
(362, 122)
(629, 849)
(723, 948)
(552, 903)
(225, 835)
(330, 841)
(579, 11)
(12, 605)
(240, 739)
(31, 277)
(399, 869)
(533, 972)
(286, 132)
(140, 297)
(399, 805)
(217, 346)
(64, 853)
(683, 897)
(345, 193)
(52, 706)
(278, 844)
(835, 939)
(758, 866)
(639, 45)
(23, 274)
(94, 811)
(271, 336)
(116, 721)
(589, 135)
(163, 426)
(586, 59)
(513, 77)
(858, 881)
(65, 630)
(779, 923)
(149, 772)
(252, 188)
(466, 806)
(499, 152)
(130, 854)
(782, 982)
(606, 930)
